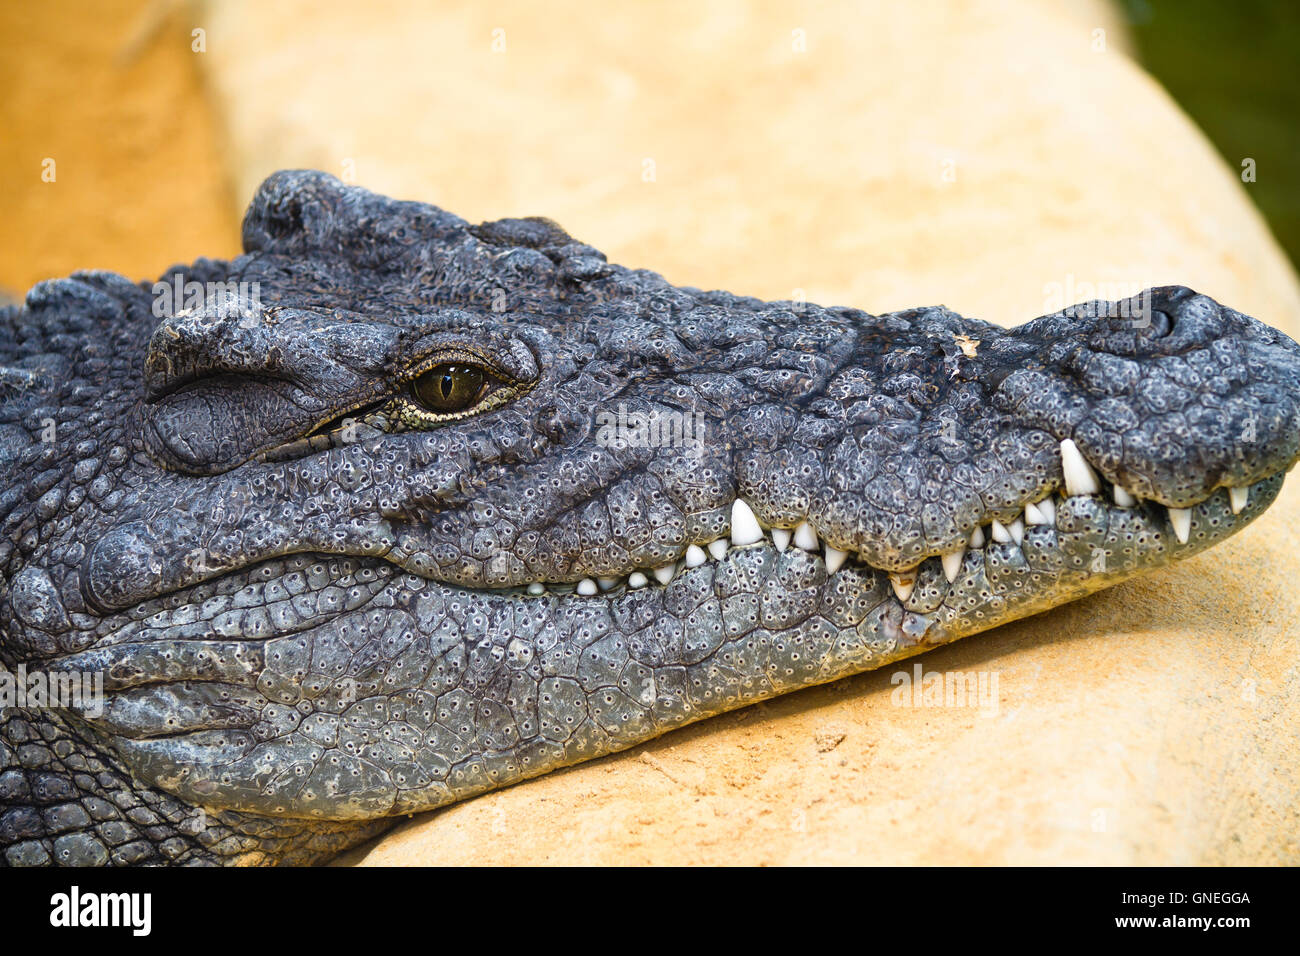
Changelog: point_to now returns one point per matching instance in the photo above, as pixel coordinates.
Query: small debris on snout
(968, 344)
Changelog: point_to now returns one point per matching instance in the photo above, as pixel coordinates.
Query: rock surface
(111, 158)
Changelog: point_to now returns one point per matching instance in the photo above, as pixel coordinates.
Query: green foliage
(1235, 68)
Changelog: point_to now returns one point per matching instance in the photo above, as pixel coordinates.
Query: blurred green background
(1234, 67)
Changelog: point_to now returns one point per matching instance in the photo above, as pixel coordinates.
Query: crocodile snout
(1169, 395)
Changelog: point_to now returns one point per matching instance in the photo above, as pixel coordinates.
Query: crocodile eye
(455, 383)
(450, 387)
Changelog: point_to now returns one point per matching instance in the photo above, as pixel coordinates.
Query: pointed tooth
(1000, 534)
(1123, 498)
(1181, 519)
(586, 587)
(607, 584)
(805, 537)
(1238, 497)
(1048, 507)
(536, 588)
(781, 538)
(744, 524)
(1034, 515)
(1017, 529)
(718, 549)
(903, 583)
(952, 564)
(1080, 479)
(834, 559)
(666, 573)
(637, 580)
(695, 556)
(977, 537)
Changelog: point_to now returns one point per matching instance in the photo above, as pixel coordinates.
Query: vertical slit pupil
(449, 387)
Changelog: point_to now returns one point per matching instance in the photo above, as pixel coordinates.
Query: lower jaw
(744, 650)
(1092, 545)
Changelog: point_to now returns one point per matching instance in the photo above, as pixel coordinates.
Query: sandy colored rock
(111, 93)
(989, 156)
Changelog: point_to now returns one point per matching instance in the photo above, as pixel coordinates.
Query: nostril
(1161, 324)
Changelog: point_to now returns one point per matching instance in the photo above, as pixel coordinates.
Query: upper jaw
(885, 483)
(1215, 517)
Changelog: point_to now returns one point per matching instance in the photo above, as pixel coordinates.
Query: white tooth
(805, 537)
(977, 537)
(1123, 498)
(1048, 507)
(536, 588)
(586, 587)
(695, 556)
(781, 538)
(834, 559)
(637, 580)
(1034, 515)
(1017, 530)
(607, 584)
(952, 564)
(1238, 497)
(903, 582)
(1181, 519)
(665, 574)
(744, 525)
(718, 549)
(1000, 534)
(1080, 479)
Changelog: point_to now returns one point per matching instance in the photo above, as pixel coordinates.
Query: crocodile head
(401, 509)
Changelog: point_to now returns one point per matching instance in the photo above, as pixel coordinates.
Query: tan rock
(110, 95)
(1003, 158)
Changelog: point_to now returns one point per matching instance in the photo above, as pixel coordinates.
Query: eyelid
(445, 355)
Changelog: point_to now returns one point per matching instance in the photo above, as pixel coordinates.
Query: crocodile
(392, 510)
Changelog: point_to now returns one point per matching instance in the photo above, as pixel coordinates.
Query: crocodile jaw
(617, 667)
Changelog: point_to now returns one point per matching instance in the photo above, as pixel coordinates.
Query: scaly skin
(308, 625)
